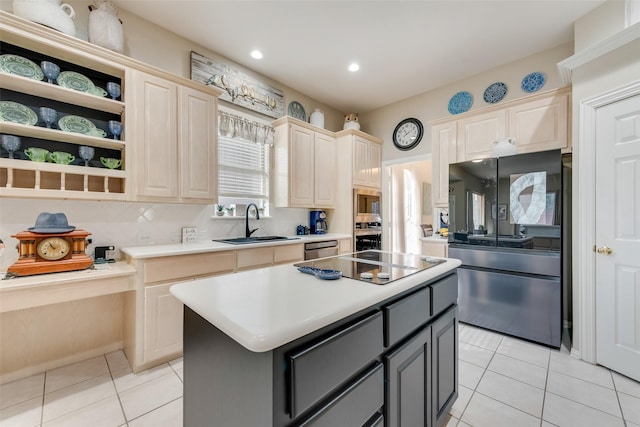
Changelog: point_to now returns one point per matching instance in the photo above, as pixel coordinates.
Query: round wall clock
(408, 134)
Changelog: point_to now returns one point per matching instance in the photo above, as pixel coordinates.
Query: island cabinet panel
(444, 332)
(406, 315)
(320, 368)
(408, 373)
(354, 406)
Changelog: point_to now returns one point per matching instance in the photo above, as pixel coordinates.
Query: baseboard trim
(57, 363)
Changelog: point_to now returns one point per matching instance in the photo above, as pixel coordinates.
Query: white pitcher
(105, 28)
(52, 13)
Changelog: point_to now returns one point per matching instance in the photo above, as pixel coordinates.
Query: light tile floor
(503, 382)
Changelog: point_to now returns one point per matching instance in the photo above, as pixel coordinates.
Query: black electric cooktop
(372, 263)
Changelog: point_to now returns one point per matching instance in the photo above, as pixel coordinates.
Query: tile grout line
(624, 421)
(44, 388)
(473, 392)
(124, 415)
(544, 395)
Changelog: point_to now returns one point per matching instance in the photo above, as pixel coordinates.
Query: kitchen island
(276, 347)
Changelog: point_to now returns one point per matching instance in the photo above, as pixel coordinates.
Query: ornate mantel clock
(52, 246)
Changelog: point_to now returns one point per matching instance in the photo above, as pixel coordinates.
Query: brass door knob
(605, 250)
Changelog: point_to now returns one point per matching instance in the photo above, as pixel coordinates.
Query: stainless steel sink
(257, 239)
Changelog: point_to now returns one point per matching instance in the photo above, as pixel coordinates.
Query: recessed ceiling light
(354, 67)
(256, 54)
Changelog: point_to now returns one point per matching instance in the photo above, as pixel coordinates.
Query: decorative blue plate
(329, 274)
(296, 110)
(495, 92)
(533, 82)
(308, 270)
(460, 102)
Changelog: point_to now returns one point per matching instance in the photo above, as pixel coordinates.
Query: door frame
(583, 218)
(384, 190)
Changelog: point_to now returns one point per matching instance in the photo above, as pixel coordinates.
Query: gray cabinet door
(408, 374)
(444, 333)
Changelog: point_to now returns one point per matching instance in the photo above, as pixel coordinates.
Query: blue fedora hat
(51, 223)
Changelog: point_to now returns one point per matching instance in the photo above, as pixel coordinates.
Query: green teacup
(61, 157)
(98, 132)
(36, 154)
(110, 162)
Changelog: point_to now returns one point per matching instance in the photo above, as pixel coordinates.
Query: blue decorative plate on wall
(533, 82)
(495, 92)
(460, 102)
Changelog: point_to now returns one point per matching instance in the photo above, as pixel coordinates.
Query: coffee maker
(318, 222)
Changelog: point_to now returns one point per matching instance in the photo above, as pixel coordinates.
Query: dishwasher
(325, 248)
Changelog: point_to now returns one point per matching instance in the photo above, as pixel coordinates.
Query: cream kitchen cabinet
(478, 133)
(265, 256)
(174, 129)
(435, 246)
(367, 162)
(304, 165)
(443, 151)
(536, 123)
(20, 177)
(153, 317)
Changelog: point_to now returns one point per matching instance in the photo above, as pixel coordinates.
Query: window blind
(243, 168)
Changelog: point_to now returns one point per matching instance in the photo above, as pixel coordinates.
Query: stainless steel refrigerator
(506, 225)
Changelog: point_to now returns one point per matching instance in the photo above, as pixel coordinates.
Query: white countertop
(436, 238)
(153, 251)
(266, 308)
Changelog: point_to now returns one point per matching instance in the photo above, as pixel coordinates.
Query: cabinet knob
(605, 250)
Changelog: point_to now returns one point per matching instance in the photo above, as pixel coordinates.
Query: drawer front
(444, 293)
(406, 315)
(318, 369)
(185, 266)
(356, 404)
(288, 253)
(252, 258)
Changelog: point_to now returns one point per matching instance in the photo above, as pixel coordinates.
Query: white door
(618, 236)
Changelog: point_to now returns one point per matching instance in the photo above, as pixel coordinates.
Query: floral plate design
(533, 82)
(460, 102)
(296, 110)
(17, 113)
(77, 124)
(76, 81)
(14, 64)
(495, 92)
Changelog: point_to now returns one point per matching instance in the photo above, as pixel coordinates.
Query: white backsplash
(125, 224)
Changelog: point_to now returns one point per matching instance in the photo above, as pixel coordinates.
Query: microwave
(366, 205)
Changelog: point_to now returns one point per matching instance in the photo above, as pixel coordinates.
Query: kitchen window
(244, 147)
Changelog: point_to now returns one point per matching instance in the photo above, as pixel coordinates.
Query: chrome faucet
(247, 232)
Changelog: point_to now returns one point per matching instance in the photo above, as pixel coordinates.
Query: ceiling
(404, 48)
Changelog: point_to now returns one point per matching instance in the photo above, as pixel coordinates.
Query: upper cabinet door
(325, 171)
(360, 161)
(541, 124)
(375, 165)
(478, 133)
(198, 147)
(156, 138)
(301, 166)
(443, 148)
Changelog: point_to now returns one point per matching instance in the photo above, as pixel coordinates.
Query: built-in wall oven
(367, 221)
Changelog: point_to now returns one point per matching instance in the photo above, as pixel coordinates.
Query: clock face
(53, 248)
(408, 134)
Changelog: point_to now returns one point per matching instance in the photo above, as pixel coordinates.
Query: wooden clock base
(29, 267)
